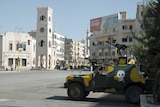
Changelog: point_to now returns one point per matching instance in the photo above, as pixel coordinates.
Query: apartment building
(75, 53)
(107, 31)
(59, 45)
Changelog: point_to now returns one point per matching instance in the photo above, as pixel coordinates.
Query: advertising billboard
(104, 23)
(95, 24)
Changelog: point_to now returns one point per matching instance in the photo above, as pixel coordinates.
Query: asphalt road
(45, 89)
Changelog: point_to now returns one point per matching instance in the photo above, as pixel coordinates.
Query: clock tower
(44, 38)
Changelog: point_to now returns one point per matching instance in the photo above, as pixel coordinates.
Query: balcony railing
(106, 46)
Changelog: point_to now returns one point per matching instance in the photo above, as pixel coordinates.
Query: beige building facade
(17, 50)
(75, 52)
(59, 46)
(103, 43)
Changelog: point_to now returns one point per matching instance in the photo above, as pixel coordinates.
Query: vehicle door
(100, 79)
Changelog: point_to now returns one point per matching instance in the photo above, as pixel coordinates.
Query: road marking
(7, 71)
(1, 100)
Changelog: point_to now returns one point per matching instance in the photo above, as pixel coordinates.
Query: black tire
(76, 91)
(132, 94)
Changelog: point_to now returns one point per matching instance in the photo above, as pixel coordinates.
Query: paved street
(45, 89)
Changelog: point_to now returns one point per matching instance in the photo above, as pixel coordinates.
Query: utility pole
(20, 46)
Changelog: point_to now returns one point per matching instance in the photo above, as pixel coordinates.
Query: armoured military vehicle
(122, 78)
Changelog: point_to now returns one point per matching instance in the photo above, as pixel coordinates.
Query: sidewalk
(3, 71)
(145, 103)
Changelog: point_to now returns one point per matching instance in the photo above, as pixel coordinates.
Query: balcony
(110, 32)
(106, 46)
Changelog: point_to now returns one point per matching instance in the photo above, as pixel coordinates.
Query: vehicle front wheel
(133, 94)
(76, 91)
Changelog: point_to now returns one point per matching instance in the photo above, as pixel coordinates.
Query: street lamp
(20, 46)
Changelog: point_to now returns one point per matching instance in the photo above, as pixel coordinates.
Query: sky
(71, 18)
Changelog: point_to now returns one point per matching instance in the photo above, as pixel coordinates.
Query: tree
(148, 48)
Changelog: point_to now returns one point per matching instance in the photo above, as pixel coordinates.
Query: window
(93, 54)
(10, 46)
(42, 17)
(50, 30)
(24, 62)
(24, 47)
(29, 42)
(113, 53)
(100, 54)
(10, 61)
(142, 26)
(16, 61)
(42, 43)
(130, 27)
(17, 46)
(124, 27)
(100, 43)
(55, 36)
(124, 39)
(106, 53)
(93, 44)
(130, 39)
(141, 13)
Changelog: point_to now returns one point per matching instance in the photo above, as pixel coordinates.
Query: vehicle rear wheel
(133, 94)
(76, 91)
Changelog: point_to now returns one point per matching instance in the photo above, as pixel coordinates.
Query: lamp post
(19, 50)
(18, 63)
(18, 59)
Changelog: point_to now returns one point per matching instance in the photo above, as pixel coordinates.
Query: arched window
(42, 43)
(42, 17)
(50, 30)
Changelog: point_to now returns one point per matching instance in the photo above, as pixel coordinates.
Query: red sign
(95, 24)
